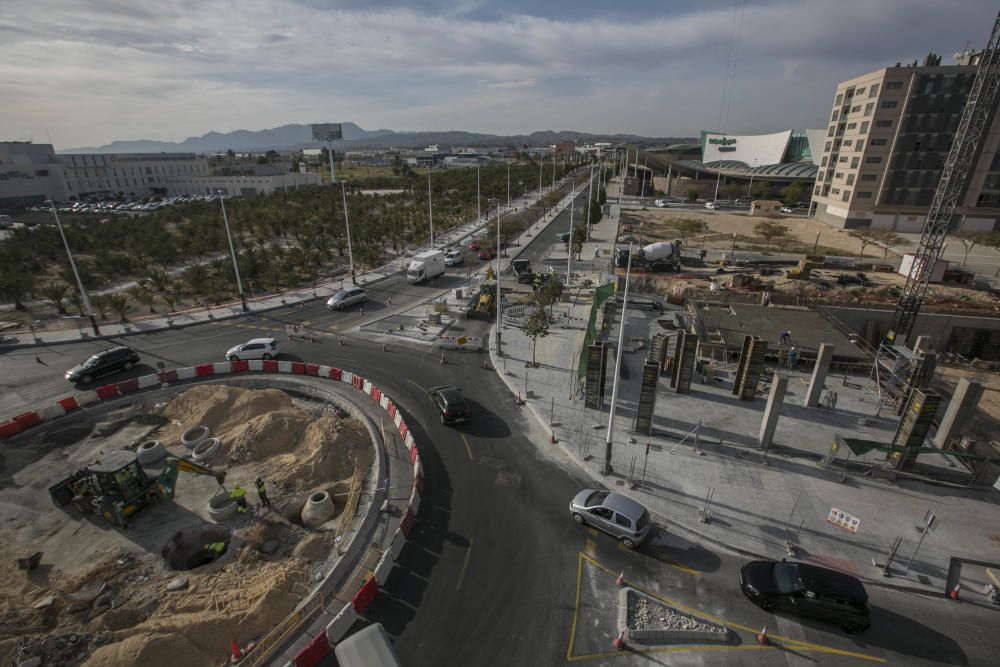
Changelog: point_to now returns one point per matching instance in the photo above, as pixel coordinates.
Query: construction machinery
(661, 256)
(522, 269)
(117, 486)
(803, 270)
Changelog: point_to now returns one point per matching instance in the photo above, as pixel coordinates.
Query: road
(496, 572)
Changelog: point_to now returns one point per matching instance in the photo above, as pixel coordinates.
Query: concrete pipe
(195, 436)
(318, 510)
(221, 507)
(205, 451)
(151, 451)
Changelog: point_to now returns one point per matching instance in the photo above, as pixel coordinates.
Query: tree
(689, 227)
(144, 295)
(76, 299)
(865, 236)
(770, 231)
(734, 190)
(549, 293)
(536, 326)
(969, 240)
(792, 193)
(886, 238)
(102, 304)
(692, 195)
(56, 292)
(119, 304)
(762, 189)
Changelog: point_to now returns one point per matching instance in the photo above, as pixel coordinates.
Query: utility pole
(508, 185)
(569, 242)
(350, 251)
(232, 252)
(540, 161)
(607, 469)
(76, 274)
(499, 301)
(430, 206)
(590, 196)
(478, 212)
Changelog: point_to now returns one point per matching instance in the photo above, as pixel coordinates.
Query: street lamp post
(232, 252)
(590, 197)
(76, 274)
(479, 213)
(718, 178)
(499, 297)
(569, 241)
(750, 187)
(347, 223)
(430, 207)
(607, 469)
(508, 185)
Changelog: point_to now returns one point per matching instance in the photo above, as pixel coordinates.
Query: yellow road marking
(416, 385)
(592, 531)
(591, 548)
(778, 641)
(992, 576)
(461, 574)
(467, 448)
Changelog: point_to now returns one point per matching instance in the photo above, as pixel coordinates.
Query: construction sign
(843, 520)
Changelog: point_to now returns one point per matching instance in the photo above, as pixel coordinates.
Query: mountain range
(298, 136)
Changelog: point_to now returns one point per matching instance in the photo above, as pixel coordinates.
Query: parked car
(710, 205)
(488, 253)
(346, 297)
(256, 348)
(450, 404)
(454, 257)
(613, 513)
(105, 362)
(660, 203)
(809, 590)
(474, 245)
(786, 210)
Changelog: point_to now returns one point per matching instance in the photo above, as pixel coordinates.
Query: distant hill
(296, 137)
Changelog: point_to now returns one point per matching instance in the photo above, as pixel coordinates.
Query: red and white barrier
(319, 646)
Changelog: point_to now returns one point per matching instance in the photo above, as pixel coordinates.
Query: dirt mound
(221, 407)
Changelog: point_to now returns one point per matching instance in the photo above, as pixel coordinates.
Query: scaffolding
(897, 371)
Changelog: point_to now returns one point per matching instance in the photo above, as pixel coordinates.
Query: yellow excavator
(117, 486)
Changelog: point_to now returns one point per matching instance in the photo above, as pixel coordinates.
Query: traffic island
(647, 620)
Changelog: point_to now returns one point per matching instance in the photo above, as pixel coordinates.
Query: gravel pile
(646, 614)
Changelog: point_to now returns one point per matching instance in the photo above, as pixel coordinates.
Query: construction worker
(792, 354)
(239, 495)
(262, 492)
(215, 549)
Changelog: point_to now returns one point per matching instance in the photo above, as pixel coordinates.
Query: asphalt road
(496, 572)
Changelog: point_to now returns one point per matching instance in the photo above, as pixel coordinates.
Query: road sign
(843, 520)
(327, 132)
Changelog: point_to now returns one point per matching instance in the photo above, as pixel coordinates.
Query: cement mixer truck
(660, 256)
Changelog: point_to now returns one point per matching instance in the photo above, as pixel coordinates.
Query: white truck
(425, 266)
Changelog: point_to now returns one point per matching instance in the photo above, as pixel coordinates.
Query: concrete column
(775, 399)
(922, 345)
(823, 358)
(959, 411)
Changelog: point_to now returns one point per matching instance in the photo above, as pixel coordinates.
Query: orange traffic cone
(762, 637)
(235, 648)
(621, 579)
(954, 592)
(552, 439)
(619, 641)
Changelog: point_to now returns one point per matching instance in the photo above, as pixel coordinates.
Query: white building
(241, 186)
(127, 174)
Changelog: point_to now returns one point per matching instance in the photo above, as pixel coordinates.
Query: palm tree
(76, 299)
(159, 280)
(170, 299)
(56, 292)
(102, 304)
(144, 295)
(119, 303)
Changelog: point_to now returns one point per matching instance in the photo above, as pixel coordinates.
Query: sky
(86, 72)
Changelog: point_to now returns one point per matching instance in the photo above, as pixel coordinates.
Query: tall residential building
(888, 138)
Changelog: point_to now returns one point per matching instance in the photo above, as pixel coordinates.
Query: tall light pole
(590, 196)
(430, 206)
(508, 185)
(498, 297)
(569, 241)
(76, 274)
(347, 223)
(540, 161)
(750, 187)
(232, 252)
(607, 469)
(624, 174)
(329, 151)
(553, 170)
(718, 178)
(479, 213)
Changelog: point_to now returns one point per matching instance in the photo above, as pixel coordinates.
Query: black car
(809, 590)
(104, 362)
(449, 402)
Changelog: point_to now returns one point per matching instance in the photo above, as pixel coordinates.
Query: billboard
(327, 132)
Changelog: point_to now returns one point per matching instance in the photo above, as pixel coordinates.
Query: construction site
(127, 522)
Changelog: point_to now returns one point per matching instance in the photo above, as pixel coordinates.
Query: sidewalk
(27, 338)
(759, 502)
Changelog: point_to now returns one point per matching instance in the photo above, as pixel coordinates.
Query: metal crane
(959, 165)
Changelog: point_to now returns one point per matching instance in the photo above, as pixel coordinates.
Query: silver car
(346, 297)
(613, 513)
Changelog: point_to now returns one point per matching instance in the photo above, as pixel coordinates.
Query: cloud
(95, 71)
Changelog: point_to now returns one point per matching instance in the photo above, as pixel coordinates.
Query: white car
(785, 209)
(660, 203)
(454, 257)
(257, 348)
(347, 297)
(710, 205)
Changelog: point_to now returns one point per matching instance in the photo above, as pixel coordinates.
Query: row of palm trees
(284, 240)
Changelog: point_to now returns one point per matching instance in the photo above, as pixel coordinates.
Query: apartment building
(888, 137)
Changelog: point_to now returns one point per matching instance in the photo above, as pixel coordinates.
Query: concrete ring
(221, 507)
(195, 436)
(205, 451)
(151, 451)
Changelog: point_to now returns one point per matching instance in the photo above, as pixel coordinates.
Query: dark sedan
(102, 363)
(808, 590)
(449, 402)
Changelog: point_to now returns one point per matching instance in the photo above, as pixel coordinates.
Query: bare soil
(298, 447)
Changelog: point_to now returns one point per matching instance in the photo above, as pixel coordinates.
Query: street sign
(327, 132)
(843, 520)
